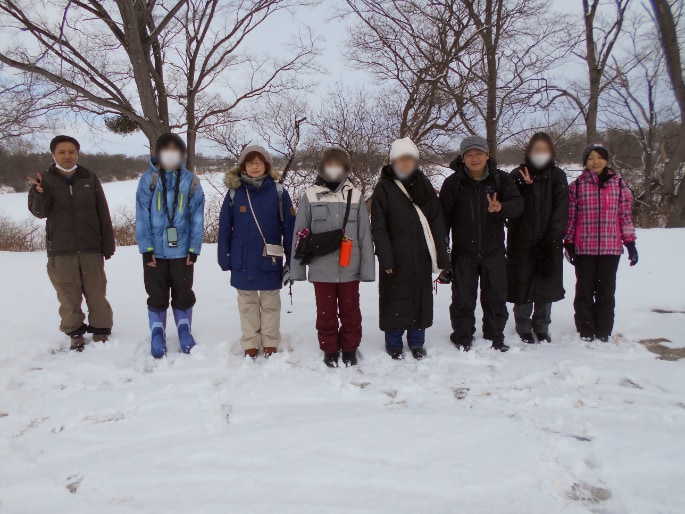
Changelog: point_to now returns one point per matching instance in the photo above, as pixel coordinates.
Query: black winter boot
(587, 338)
(527, 338)
(500, 346)
(419, 353)
(397, 355)
(330, 359)
(349, 358)
(603, 339)
(543, 338)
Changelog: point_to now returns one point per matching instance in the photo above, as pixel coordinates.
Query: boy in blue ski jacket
(169, 229)
(255, 240)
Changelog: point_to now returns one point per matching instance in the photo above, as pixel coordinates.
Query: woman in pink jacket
(600, 223)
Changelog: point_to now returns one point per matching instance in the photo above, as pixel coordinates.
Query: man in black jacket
(477, 199)
(79, 237)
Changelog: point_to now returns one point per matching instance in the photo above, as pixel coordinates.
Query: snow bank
(567, 427)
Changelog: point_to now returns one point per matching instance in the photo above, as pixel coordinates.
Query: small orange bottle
(345, 252)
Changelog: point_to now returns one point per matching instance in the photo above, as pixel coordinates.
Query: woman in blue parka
(169, 229)
(255, 235)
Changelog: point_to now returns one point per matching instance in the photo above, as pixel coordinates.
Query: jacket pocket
(320, 212)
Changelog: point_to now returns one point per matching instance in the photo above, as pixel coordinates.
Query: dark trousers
(492, 273)
(169, 276)
(416, 337)
(541, 317)
(335, 300)
(595, 289)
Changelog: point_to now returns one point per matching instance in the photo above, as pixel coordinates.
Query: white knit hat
(404, 148)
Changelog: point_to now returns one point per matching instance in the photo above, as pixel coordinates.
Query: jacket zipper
(478, 222)
(599, 217)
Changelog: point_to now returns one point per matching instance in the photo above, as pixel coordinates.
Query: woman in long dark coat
(410, 248)
(535, 240)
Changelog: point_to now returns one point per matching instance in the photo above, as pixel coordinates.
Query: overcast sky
(331, 31)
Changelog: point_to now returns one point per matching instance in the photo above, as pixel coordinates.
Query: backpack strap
(279, 190)
(154, 178)
(193, 187)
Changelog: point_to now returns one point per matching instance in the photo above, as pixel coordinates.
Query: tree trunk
(491, 119)
(668, 34)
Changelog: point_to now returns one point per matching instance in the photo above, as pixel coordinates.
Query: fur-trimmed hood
(232, 177)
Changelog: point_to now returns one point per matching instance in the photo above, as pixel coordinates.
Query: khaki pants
(260, 318)
(73, 277)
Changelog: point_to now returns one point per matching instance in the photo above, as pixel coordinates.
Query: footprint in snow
(588, 493)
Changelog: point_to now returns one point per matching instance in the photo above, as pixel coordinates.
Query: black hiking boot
(543, 338)
(500, 346)
(464, 346)
(527, 338)
(419, 353)
(330, 359)
(603, 339)
(587, 338)
(349, 358)
(397, 355)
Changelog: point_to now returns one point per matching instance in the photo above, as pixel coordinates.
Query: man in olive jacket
(79, 237)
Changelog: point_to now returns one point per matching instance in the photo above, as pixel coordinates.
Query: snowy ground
(567, 427)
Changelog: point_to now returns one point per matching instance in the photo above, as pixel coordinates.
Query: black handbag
(323, 243)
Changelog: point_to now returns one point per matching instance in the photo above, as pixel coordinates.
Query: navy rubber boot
(158, 331)
(184, 321)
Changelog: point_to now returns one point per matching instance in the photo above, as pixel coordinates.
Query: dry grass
(21, 236)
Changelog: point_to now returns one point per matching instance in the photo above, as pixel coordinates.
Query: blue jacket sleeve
(143, 224)
(225, 234)
(197, 221)
(288, 226)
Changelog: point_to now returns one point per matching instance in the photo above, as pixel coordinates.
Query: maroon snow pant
(335, 300)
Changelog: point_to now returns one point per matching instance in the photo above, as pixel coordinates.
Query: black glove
(107, 257)
(445, 277)
(632, 253)
(285, 276)
(570, 250)
(147, 257)
(192, 257)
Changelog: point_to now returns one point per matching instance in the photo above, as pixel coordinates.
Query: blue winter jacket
(241, 247)
(151, 216)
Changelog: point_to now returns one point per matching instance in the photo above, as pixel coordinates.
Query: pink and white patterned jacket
(600, 217)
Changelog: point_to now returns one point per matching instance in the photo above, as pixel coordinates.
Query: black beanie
(170, 139)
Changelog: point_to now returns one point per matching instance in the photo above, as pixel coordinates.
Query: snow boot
(252, 353)
(78, 342)
(419, 353)
(603, 339)
(396, 355)
(587, 339)
(543, 338)
(527, 338)
(464, 345)
(500, 346)
(184, 320)
(349, 358)
(100, 335)
(100, 338)
(330, 359)
(269, 351)
(158, 333)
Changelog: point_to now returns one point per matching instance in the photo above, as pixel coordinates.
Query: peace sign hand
(526, 176)
(493, 203)
(36, 182)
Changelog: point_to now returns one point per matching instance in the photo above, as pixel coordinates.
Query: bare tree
(634, 105)
(414, 48)
(108, 59)
(216, 32)
(23, 109)
(667, 18)
(594, 48)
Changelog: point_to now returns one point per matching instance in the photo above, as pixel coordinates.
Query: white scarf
(430, 242)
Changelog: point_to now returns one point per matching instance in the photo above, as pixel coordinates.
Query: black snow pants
(595, 289)
(492, 273)
(169, 276)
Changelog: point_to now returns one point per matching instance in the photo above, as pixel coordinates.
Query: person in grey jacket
(336, 286)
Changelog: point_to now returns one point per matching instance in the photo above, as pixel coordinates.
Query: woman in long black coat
(408, 251)
(535, 240)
